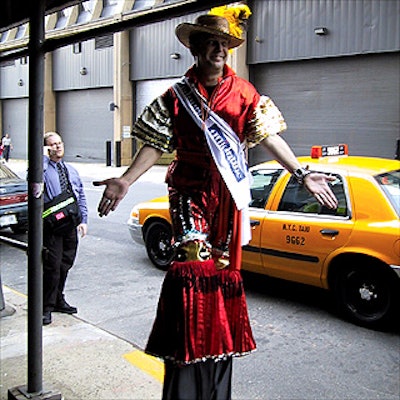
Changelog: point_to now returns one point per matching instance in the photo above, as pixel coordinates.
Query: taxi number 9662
(295, 240)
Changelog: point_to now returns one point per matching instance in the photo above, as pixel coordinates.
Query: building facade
(331, 66)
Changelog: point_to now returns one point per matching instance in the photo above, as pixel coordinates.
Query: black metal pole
(117, 154)
(108, 153)
(35, 198)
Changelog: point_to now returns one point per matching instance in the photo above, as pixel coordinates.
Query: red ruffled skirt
(202, 313)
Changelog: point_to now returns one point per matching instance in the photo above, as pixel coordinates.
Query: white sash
(226, 150)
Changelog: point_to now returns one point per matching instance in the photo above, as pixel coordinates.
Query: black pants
(208, 380)
(6, 152)
(59, 256)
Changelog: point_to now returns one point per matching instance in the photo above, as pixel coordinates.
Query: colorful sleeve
(154, 127)
(267, 120)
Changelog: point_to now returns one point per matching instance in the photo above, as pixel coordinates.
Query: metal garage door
(351, 100)
(85, 123)
(147, 91)
(15, 123)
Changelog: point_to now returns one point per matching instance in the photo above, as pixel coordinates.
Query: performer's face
(212, 53)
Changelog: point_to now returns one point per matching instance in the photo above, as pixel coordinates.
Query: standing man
(60, 250)
(7, 146)
(208, 118)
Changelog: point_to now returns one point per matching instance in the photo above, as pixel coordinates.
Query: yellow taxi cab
(353, 251)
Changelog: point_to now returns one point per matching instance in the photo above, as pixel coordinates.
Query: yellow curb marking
(15, 292)
(146, 363)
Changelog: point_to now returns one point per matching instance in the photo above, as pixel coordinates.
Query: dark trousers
(208, 380)
(59, 256)
(6, 152)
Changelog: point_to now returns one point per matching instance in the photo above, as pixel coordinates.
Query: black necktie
(63, 176)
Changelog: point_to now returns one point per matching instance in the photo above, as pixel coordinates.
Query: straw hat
(212, 24)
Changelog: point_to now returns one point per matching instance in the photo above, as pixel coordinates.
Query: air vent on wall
(102, 42)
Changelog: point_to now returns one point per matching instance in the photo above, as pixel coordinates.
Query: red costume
(202, 310)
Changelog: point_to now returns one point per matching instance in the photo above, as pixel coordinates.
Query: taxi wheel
(365, 295)
(158, 244)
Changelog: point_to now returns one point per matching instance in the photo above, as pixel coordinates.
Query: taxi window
(297, 198)
(263, 182)
(390, 183)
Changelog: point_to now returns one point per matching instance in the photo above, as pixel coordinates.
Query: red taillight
(13, 199)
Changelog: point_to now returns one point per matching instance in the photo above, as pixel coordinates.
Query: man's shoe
(47, 318)
(65, 308)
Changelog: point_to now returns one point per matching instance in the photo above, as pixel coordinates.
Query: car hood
(12, 185)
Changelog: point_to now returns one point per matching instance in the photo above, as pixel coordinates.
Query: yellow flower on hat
(237, 17)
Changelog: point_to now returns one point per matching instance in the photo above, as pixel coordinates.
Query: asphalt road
(305, 351)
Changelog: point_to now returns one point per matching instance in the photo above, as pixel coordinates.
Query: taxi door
(298, 234)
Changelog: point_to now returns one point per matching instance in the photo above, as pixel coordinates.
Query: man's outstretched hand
(317, 184)
(115, 191)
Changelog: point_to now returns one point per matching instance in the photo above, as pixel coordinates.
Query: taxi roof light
(329, 151)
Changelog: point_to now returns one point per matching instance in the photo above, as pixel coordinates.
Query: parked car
(13, 200)
(353, 251)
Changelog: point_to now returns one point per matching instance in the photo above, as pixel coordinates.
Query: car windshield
(6, 173)
(390, 184)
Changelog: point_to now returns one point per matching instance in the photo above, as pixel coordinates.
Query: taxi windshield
(390, 183)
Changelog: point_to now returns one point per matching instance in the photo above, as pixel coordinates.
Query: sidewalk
(80, 361)
(97, 171)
